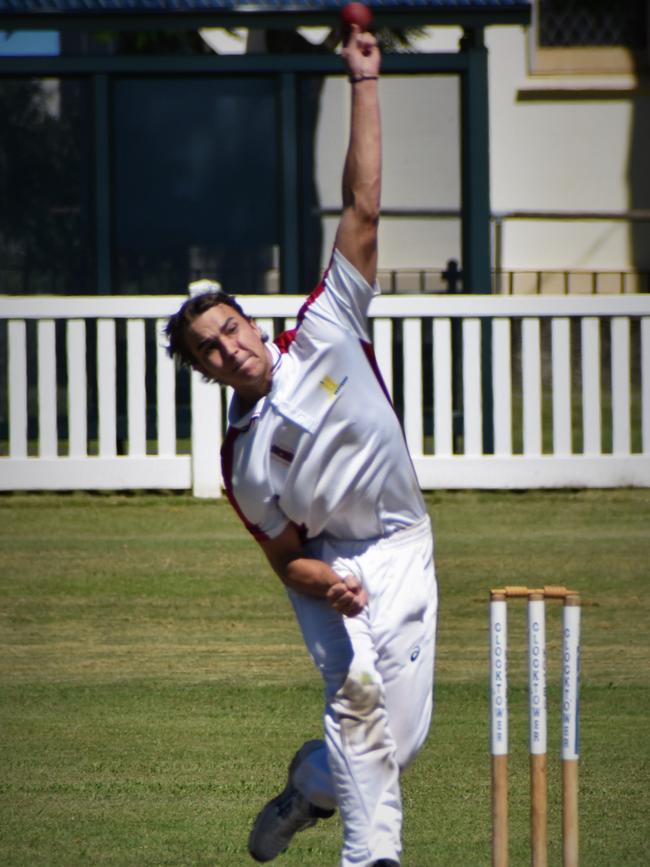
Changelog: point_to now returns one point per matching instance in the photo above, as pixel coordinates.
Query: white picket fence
(607, 414)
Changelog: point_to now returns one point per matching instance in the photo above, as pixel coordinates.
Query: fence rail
(89, 399)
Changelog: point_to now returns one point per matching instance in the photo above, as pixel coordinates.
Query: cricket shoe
(385, 862)
(285, 815)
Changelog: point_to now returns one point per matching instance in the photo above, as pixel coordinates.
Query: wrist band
(361, 77)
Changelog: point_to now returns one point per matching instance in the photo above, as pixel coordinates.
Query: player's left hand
(361, 53)
(347, 596)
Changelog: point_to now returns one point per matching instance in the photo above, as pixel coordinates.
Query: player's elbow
(368, 210)
(361, 219)
(366, 204)
(369, 221)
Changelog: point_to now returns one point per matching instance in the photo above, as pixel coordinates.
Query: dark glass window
(46, 226)
(596, 23)
(196, 183)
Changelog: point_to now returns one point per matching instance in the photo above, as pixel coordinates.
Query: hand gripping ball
(356, 13)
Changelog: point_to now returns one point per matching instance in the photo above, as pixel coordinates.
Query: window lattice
(564, 23)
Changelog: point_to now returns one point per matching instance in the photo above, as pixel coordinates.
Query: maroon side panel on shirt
(227, 453)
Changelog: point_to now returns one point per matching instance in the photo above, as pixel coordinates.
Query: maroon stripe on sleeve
(227, 454)
(369, 351)
(283, 341)
(310, 300)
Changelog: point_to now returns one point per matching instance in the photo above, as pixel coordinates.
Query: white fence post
(531, 370)
(412, 342)
(77, 388)
(17, 386)
(206, 437)
(47, 396)
(106, 381)
(136, 394)
(443, 414)
(472, 402)
(502, 386)
(620, 385)
(645, 385)
(165, 396)
(591, 419)
(561, 366)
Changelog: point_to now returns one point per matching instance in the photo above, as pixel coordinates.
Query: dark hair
(178, 325)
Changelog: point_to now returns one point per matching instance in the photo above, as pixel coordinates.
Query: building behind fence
(492, 391)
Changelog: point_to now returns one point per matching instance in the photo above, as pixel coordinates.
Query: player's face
(229, 348)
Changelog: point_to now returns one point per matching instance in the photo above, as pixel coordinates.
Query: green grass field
(153, 684)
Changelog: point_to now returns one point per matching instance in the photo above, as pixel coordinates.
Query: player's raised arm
(357, 233)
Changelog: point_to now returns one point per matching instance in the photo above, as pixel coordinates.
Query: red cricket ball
(356, 13)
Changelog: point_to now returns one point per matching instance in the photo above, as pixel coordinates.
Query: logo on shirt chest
(332, 387)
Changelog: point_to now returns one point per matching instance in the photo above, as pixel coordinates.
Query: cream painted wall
(549, 154)
(420, 123)
(560, 154)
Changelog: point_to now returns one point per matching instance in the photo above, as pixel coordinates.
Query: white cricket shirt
(324, 449)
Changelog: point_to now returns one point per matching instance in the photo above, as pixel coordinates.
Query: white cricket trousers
(378, 675)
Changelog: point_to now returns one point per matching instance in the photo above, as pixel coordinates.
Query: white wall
(546, 154)
(560, 154)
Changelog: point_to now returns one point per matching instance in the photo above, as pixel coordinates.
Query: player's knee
(360, 697)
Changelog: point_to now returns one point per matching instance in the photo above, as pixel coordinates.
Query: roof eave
(264, 19)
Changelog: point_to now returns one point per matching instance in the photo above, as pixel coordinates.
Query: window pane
(195, 183)
(46, 237)
(14, 43)
(592, 22)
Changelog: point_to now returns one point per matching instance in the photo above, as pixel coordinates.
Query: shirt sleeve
(342, 298)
